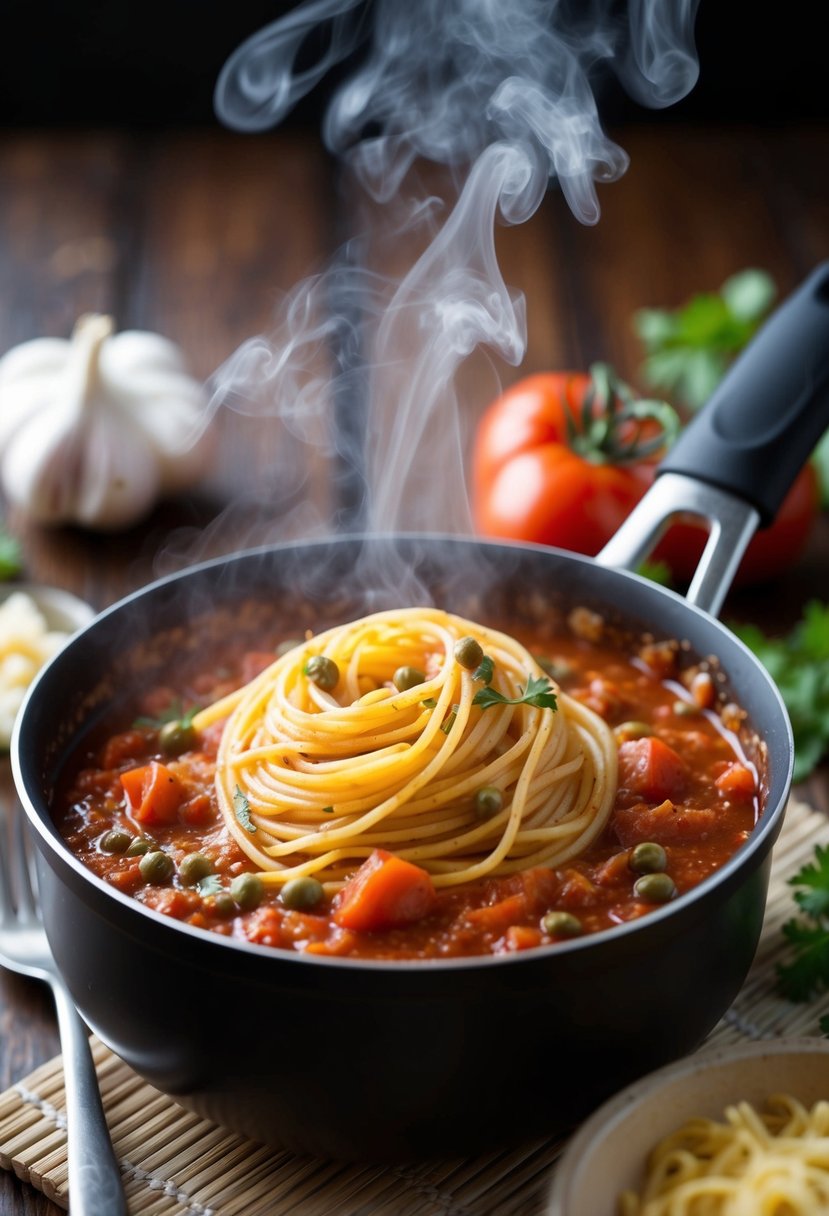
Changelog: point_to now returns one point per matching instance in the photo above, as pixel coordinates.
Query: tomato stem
(615, 427)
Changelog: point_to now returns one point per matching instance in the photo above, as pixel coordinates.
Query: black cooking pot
(396, 1060)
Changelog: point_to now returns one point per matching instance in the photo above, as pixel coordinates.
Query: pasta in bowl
(729, 1132)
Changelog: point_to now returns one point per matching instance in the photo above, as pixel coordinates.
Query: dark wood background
(194, 232)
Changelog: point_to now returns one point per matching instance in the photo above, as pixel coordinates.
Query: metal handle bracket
(731, 521)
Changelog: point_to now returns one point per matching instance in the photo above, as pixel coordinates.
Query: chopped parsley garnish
(484, 671)
(429, 703)
(450, 720)
(538, 692)
(241, 809)
(328, 810)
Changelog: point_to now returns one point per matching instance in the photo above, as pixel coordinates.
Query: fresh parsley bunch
(807, 974)
(688, 350)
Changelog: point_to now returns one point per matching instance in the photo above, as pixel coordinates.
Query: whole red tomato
(561, 458)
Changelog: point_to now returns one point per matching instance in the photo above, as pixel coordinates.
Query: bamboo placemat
(175, 1163)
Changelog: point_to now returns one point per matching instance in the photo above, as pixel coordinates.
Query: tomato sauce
(687, 798)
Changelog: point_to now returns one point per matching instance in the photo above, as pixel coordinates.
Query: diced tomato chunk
(665, 823)
(736, 781)
(498, 916)
(154, 792)
(650, 768)
(384, 893)
(522, 937)
(577, 891)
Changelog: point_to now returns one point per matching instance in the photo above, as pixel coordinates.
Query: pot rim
(764, 834)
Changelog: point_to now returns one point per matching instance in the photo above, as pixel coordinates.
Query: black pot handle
(735, 461)
(761, 424)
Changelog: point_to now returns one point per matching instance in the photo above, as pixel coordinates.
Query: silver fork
(95, 1186)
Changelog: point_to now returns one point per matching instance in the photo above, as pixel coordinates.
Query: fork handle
(95, 1186)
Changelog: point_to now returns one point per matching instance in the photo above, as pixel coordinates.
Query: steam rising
(501, 93)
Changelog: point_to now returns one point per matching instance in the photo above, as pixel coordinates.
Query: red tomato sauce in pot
(139, 809)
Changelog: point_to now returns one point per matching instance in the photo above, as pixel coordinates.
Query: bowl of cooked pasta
(738, 1129)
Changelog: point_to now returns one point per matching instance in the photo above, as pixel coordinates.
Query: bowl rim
(762, 837)
(590, 1135)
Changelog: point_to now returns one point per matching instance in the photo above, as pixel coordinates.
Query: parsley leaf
(211, 885)
(807, 974)
(538, 692)
(485, 670)
(799, 665)
(241, 809)
(689, 349)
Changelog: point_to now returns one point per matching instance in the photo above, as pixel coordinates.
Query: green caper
(156, 866)
(302, 893)
(323, 671)
(288, 644)
(222, 904)
(139, 847)
(469, 653)
(116, 841)
(488, 801)
(407, 677)
(655, 888)
(685, 709)
(247, 890)
(176, 737)
(648, 858)
(561, 924)
(633, 730)
(193, 868)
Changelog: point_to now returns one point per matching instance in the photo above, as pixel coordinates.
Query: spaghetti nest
(311, 777)
(773, 1162)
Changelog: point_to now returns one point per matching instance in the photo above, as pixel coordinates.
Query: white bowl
(608, 1153)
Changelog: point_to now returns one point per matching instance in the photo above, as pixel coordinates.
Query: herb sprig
(241, 809)
(807, 974)
(539, 692)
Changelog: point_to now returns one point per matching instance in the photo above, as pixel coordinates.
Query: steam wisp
(502, 94)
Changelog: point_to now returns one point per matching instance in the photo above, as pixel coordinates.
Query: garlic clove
(120, 478)
(96, 480)
(38, 357)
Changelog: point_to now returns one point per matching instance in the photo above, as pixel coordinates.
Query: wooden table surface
(197, 235)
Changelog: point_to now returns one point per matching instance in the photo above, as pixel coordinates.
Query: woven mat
(174, 1162)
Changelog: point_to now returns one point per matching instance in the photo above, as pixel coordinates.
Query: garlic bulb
(94, 430)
